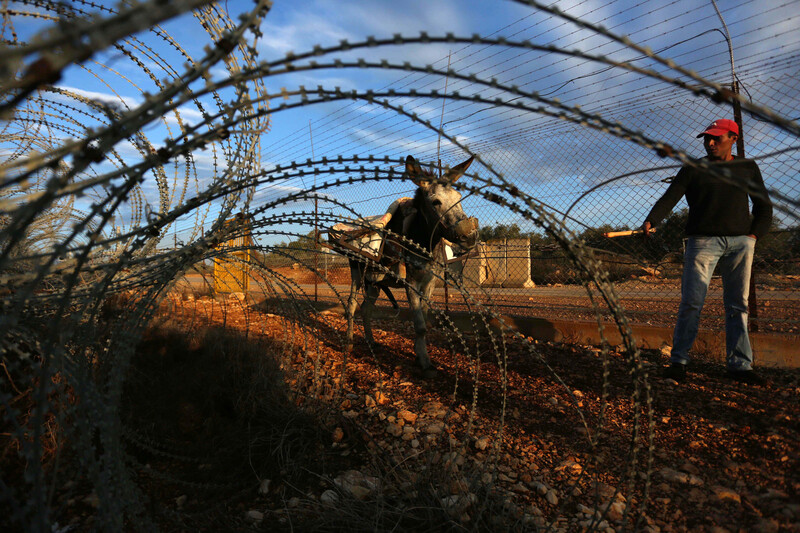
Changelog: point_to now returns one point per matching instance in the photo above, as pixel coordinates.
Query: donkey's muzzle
(466, 227)
(467, 232)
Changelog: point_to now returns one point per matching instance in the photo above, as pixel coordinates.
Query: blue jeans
(735, 258)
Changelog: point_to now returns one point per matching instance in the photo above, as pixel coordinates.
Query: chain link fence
(595, 184)
(132, 166)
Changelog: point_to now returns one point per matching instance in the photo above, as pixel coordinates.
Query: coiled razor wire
(77, 226)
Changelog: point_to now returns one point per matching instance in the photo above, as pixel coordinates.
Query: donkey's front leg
(419, 314)
(350, 311)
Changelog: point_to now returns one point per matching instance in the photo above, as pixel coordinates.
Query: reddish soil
(564, 431)
(646, 300)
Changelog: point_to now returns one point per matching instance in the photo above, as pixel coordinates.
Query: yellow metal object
(232, 267)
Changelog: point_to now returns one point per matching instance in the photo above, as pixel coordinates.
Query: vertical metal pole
(316, 246)
(752, 298)
(737, 116)
(438, 148)
(316, 221)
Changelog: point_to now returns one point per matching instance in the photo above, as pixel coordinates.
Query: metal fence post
(752, 305)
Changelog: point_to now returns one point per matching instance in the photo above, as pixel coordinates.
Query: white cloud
(106, 98)
(301, 32)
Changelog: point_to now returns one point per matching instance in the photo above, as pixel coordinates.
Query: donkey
(433, 219)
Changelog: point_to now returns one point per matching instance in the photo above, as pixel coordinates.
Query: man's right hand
(646, 229)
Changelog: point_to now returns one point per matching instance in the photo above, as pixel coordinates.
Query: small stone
(551, 497)
(180, 501)
(394, 429)
(381, 398)
(414, 443)
(680, 477)
(434, 409)
(690, 468)
(520, 488)
(254, 516)
(570, 466)
(360, 493)
(357, 484)
(482, 443)
(338, 434)
(541, 488)
(407, 416)
(329, 497)
(726, 495)
(292, 503)
(434, 428)
(458, 486)
(616, 511)
(604, 490)
(369, 401)
(263, 488)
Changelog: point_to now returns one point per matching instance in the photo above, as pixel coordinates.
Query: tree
(501, 231)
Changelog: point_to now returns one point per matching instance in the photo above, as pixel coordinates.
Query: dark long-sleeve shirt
(717, 208)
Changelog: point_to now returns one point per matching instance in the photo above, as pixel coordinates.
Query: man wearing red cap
(720, 229)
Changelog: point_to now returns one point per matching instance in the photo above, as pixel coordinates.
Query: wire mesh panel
(523, 149)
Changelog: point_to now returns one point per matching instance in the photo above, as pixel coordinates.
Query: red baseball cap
(721, 127)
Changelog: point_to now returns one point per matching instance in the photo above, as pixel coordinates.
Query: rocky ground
(511, 435)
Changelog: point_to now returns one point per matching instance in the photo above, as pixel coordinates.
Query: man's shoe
(675, 371)
(747, 376)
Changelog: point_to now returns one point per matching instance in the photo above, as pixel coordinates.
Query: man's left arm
(762, 206)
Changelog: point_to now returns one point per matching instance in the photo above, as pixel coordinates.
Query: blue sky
(552, 160)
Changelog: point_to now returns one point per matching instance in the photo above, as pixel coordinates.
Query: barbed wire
(84, 263)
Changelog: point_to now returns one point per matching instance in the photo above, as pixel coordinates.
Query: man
(720, 229)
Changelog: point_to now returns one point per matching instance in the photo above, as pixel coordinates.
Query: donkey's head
(440, 204)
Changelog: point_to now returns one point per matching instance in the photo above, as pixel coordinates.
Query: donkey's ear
(415, 173)
(457, 171)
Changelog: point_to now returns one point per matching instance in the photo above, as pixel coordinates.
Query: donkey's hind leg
(371, 293)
